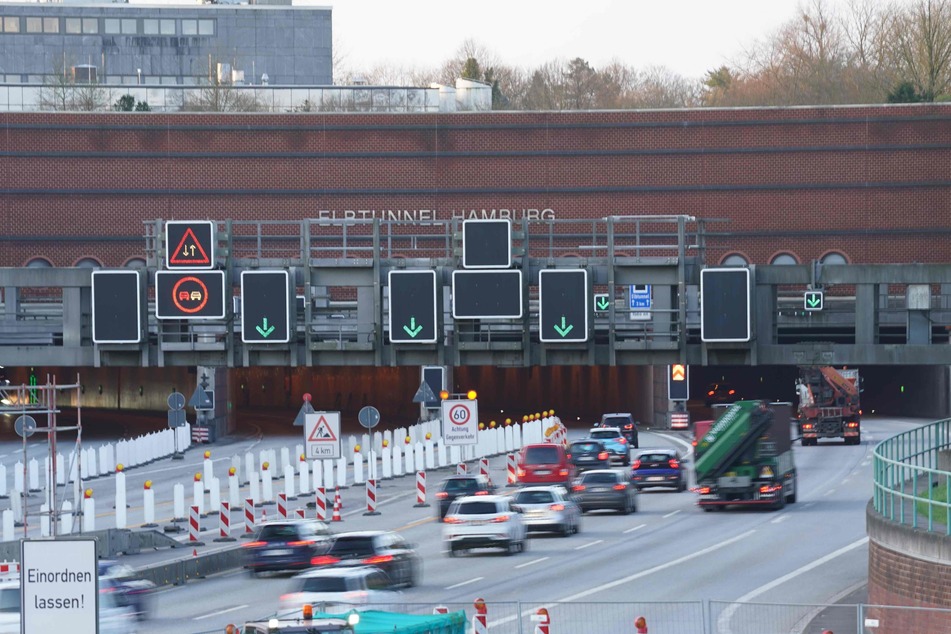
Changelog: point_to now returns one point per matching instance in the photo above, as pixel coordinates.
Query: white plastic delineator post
(234, 488)
(397, 461)
(358, 468)
(198, 494)
(342, 473)
(3, 481)
(303, 470)
(267, 484)
(178, 502)
(249, 469)
(9, 525)
(120, 500)
(387, 463)
(328, 474)
(18, 485)
(66, 518)
(44, 520)
(214, 495)
(89, 512)
(34, 473)
(148, 505)
(254, 489)
(289, 478)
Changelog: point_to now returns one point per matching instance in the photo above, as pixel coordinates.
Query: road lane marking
(829, 492)
(583, 546)
(219, 612)
(636, 528)
(779, 519)
(671, 514)
(464, 583)
(723, 622)
(532, 563)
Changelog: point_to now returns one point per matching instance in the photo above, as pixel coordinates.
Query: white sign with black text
(460, 422)
(59, 586)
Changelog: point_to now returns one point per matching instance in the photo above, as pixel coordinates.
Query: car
(589, 453)
(544, 463)
(458, 486)
(331, 590)
(283, 545)
(659, 468)
(128, 588)
(113, 618)
(484, 521)
(548, 508)
(720, 392)
(614, 441)
(605, 489)
(387, 550)
(625, 422)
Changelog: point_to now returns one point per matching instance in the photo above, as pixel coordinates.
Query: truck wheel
(780, 503)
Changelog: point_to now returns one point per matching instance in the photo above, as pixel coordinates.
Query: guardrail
(910, 487)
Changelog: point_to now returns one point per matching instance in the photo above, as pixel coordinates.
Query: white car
(113, 619)
(484, 521)
(340, 589)
(548, 508)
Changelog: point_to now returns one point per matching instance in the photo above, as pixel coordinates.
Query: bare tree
(922, 45)
(61, 92)
(219, 97)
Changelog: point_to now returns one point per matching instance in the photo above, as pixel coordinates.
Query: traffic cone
(336, 516)
(338, 502)
(194, 552)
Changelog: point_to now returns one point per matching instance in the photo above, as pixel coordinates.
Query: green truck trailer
(746, 457)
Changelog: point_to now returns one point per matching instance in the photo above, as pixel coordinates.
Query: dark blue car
(286, 545)
(659, 468)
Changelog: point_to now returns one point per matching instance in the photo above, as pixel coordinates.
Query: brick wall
(870, 182)
(895, 579)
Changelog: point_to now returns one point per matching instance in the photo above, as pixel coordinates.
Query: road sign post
(563, 305)
(265, 307)
(460, 422)
(190, 295)
(486, 244)
(725, 305)
(189, 244)
(813, 301)
(678, 382)
(486, 294)
(116, 307)
(322, 435)
(412, 306)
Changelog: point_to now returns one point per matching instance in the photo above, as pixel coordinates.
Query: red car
(544, 463)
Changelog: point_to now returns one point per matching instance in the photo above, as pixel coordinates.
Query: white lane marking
(532, 563)
(583, 546)
(636, 528)
(464, 583)
(219, 612)
(671, 514)
(779, 519)
(829, 492)
(723, 622)
(866, 463)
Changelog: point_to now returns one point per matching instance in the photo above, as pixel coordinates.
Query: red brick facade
(873, 183)
(895, 579)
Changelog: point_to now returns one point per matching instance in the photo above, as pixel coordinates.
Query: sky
(687, 36)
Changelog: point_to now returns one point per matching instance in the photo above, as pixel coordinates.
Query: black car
(589, 454)
(286, 545)
(625, 422)
(386, 550)
(659, 468)
(721, 392)
(128, 588)
(459, 486)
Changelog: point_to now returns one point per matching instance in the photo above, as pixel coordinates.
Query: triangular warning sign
(321, 432)
(189, 251)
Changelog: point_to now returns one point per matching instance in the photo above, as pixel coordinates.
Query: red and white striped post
(461, 468)
(300, 514)
(338, 501)
(320, 501)
(248, 517)
(541, 621)
(194, 526)
(371, 498)
(484, 466)
(282, 505)
(420, 489)
(510, 466)
(224, 523)
(480, 620)
(440, 609)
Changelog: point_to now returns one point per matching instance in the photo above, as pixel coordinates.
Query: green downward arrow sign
(412, 330)
(603, 303)
(264, 330)
(564, 329)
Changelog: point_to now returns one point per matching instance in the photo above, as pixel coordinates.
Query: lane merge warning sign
(322, 435)
(59, 586)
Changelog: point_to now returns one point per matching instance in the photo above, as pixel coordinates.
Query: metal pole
(51, 408)
(21, 398)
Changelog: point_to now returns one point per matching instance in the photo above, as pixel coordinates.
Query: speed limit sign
(460, 422)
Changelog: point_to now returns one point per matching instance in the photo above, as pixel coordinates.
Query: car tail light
(807, 425)
(303, 542)
(563, 472)
(731, 392)
(770, 488)
(704, 490)
(323, 560)
(619, 487)
(710, 393)
(378, 559)
(255, 544)
(674, 463)
(481, 492)
(442, 495)
(694, 443)
(629, 426)
(289, 597)
(578, 487)
(636, 465)
(449, 519)
(852, 424)
(556, 507)
(622, 440)
(500, 519)
(521, 472)
(603, 455)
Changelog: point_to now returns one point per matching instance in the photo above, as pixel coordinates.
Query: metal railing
(909, 486)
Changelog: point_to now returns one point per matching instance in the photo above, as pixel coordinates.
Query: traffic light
(678, 382)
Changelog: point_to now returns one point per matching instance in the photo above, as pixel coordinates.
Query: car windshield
(615, 421)
(534, 497)
(607, 433)
(324, 584)
(279, 532)
(541, 455)
(585, 446)
(352, 546)
(476, 508)
(462, 485)
(10, 600)
(655, 457)
(599, 478)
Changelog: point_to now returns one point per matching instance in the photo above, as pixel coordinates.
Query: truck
(829, 404)
(745, 458)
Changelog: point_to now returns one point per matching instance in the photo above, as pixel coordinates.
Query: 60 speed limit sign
(460, 422)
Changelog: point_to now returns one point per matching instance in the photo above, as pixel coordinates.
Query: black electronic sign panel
(190, 295)
(486, 294)
(412, 306)
(563, 305)
(486, 244)
(189, 244)
(725, 305)
(435, 378)
(265, 307)
(678, 382)
(116, 307)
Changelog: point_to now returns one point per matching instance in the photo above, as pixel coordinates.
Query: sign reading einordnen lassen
(460, 422)
(59, 586)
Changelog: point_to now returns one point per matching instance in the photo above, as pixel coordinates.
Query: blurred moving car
(127, 587)
(487, 521)
(548, 508)
(387, 550)
(339, 589)
(544, 463)
(721, 392)
(614, 441)
(113, 618)
(625, 422)
(589, 454)
(286, 545)
(461, 485)
(605, 489)
(659, 468)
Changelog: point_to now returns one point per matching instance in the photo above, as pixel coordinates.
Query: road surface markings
(829, 492)
(723, 623)
(671, 514)
(219, 612)
(583, 546)
(532, 563)
(464, 583)
(779, 519)
(636, 528)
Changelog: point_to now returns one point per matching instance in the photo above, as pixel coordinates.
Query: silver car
(548, 508)
(605, 489)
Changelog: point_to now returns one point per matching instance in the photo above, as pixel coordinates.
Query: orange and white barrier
(542, 621)
(224, 523)
(282, 506)
(194, 525)
(480, 624)
(640, 625)
(420, 489)
(371, 498)
(511, 479)
(484, 466)
(320, 501)
(248, 517)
